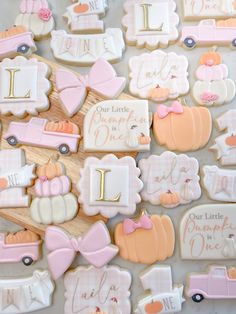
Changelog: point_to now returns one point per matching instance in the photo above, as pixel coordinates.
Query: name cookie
(95, 246)
(217, 283)
(60, 135)
(15, 41)
(36, 16)
(15, 176)
(162, 296)
(225, 145)
(213, 87)
(170, 179)
(182, 128)
(83, 16)
(207, 232)
(210, 32)
(117, 125)
(145, 240)
(102, 79)
(198, 9)
(19, 95)
(87, 49)
(92, 290)
(146, 27)
(220, 183)
(109, 186)
(23, 246)
(158, 75)
(52, 189)
(27, 294)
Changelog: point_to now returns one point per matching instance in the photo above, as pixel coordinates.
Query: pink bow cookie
(129, 226)
(101, 79)
(95, 246)
(163, 110)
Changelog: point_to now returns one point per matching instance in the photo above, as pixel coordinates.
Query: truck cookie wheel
(27, 261)
(12, 140)
(64, 149)
(197, 298)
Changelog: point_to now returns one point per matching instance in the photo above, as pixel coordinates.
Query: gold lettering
(146, 24)
(102, 196)
(11, 94)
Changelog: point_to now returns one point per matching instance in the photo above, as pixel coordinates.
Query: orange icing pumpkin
(231, 140)
(24, 236)
(81, 8)
(211, 58)
(147, 246)
(227, 23)
(158, 93)
(183, 132)
(62, 127)
(50, 170)
(12, 31)
(154, 307)
(169, 198)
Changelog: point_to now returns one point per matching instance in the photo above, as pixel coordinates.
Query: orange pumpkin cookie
(182, 128)
(147, 240)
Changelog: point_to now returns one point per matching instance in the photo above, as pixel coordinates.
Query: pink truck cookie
(218, 283)
(60, 135)
(210, 32)
(22, 246)
(16, 41)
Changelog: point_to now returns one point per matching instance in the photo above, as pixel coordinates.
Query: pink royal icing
(209, 97)
(129, 226)
(45, 14)
(33, 6)
(95, 246)
(163, 110)
(102, 79)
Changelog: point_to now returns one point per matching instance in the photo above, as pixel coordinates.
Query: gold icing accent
(11, 94)
(102, 197)
(146, 27)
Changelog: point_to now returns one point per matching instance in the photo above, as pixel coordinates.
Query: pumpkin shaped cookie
(147, 240)
(182, 128)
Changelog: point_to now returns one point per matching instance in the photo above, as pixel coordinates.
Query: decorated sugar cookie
(162, 296)
(36, 16)
(213, 87)
(26, 294)
(196, 9)
(95, 246)
(170, 179)
(52, 189)
(117, 126)
(23, 246)
(146, 27)
(109, 186)
(86, 49)
(15, 41)
(102, 79)
(19, 95)
(61, 135)
(220, 183)
(182, 128)
(83, 16)
(225, 145)
(159, 75)
(217, 283)
(91, 290)
(146, 239)
(15, 176)
(207, 232)
(210, 32)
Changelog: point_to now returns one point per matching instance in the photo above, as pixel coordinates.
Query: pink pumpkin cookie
(36, 15)
(158, 75)
(170, 179)
(102, 79)
(162, 296)
(213, 86)
(95, 246)
(91, 290)
(83, 16)
(182, 128)
(146, 27)
(53, 202)
(225, 145)
(109, 186)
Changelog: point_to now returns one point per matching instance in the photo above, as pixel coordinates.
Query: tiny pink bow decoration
(95, 246)
(129, 226)
(163, 110)
(101, 79)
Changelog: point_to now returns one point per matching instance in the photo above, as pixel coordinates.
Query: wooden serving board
(73, 162)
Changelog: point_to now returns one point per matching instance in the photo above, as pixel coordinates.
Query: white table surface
(8, 12)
